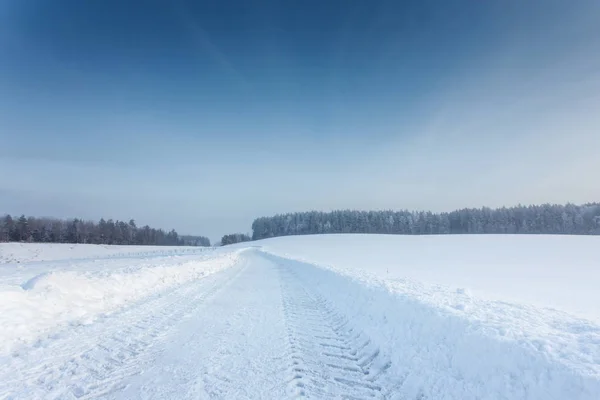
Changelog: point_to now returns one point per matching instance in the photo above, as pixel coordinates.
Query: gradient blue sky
(200, 116)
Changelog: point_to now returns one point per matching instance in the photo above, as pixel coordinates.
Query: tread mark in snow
(330, 358)
(90, 369)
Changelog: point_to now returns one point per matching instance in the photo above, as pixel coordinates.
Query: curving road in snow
(253, 331)
(253, 325)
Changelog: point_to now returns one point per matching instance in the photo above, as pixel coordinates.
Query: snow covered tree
(234, 238)
(22, 229)
(50, 230)
(547, 218)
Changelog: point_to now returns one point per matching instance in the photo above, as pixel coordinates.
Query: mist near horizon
(202, 116)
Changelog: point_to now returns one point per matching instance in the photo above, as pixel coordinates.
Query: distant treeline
(52, 230)
(235, 238)
(545, 219)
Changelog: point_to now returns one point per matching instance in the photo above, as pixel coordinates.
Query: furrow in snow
(234, 348)
(330, 357)
(89, 361)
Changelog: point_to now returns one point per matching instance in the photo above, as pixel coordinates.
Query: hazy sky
(200, 116)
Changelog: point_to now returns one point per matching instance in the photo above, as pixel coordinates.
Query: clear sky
(200, 116)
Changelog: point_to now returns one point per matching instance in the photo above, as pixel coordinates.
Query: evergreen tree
(234, 238)
(22, 229)
(49, 230)
(544, 219)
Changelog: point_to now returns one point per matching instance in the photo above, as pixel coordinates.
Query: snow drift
(79, 295)
(548, 271)
(466, 317)
(436, 353)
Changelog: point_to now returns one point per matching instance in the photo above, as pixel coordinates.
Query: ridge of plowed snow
(78, 295)
(508, 338)
(546, 271)
(430, 351)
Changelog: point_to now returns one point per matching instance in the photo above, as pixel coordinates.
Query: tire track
(234, 349)
(95, 360)
(144, 347)
(330, 357)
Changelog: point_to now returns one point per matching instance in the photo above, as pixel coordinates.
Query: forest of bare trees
(52, 230)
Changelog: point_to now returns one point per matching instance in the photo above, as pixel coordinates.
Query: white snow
(336, 316)
(18, 253)
(38, 297)
(554, 271)
(509, 316)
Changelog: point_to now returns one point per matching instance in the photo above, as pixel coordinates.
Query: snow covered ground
(28, 252)
(561, 272)
(337, 316)
(37, 297)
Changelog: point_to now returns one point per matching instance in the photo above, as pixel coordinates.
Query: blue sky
(200, 116)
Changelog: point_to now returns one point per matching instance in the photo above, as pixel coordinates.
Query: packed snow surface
(336, 316)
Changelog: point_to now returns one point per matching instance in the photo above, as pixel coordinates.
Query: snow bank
(461, 317)
(560, 272)
(79, 295)
(462, 348)
(18, 253)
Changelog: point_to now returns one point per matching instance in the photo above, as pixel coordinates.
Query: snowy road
(255, 330)
(246, 323)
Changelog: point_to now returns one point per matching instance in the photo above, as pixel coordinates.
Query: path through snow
(272, 328)
(268, 335)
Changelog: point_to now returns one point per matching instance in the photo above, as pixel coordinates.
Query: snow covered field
(28, 252)
(337, 316)
(561, 272)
